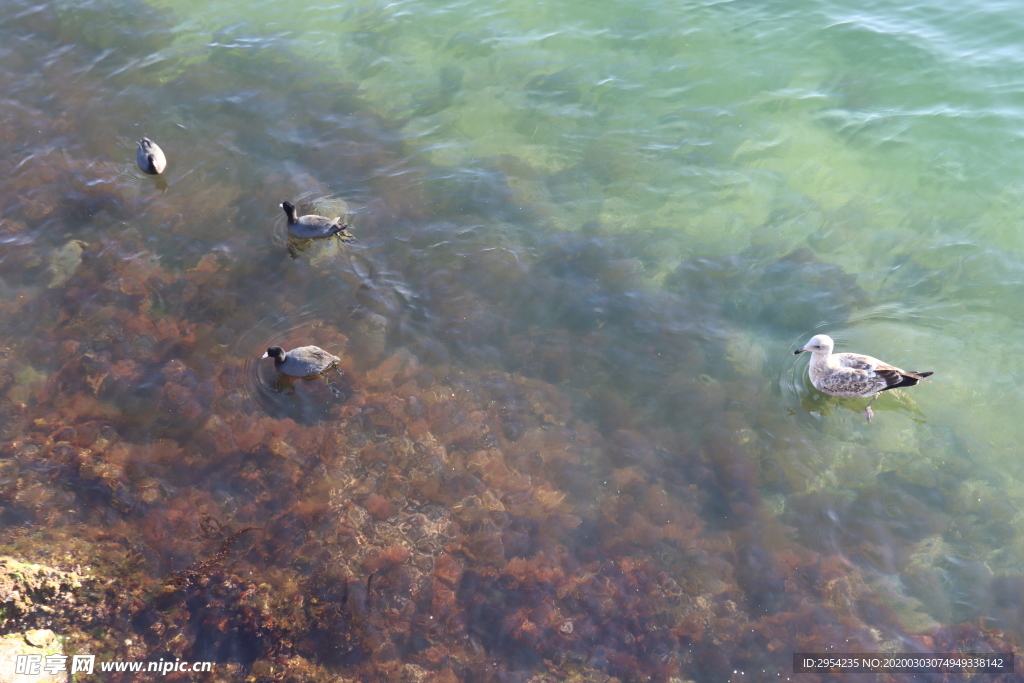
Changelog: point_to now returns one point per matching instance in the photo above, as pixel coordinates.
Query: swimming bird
(315, 227)
(851, 375)
(150, 157)
(304, 362)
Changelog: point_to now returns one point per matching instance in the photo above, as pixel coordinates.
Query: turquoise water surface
(572, 441)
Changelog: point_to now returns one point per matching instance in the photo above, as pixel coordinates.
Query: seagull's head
(819, 343)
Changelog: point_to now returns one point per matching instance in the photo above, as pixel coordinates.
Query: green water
(600, 229)
(885, 139)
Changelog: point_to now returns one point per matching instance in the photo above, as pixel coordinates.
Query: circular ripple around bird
(799, 397)
(261, 386)
(309, 204)
(130, 177)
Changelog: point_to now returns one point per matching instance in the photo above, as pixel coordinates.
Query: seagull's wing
(879, 374)
(851, 382)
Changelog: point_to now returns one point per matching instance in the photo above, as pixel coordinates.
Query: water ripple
(262, 387)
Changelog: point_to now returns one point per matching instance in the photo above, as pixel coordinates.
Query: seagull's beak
(265, 355)
(798, 352)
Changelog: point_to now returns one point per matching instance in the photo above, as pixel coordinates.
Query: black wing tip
(910, 379)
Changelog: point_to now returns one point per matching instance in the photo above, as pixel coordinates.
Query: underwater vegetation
(538, 465)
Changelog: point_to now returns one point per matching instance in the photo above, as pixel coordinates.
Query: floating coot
(314, 227)
(150, 157)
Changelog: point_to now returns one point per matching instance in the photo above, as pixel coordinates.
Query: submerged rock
(43, 642)
(29, 590)
(369, 334)
(64, 262)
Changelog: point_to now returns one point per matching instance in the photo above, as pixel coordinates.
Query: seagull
(851, 375)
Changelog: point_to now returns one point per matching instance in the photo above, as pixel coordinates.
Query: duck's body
(314, 227)
(305, 362)
(150, 157)
(852, 375)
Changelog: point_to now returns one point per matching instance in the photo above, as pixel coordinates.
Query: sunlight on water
(571, 435)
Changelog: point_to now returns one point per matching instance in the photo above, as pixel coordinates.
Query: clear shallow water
(589, 238)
